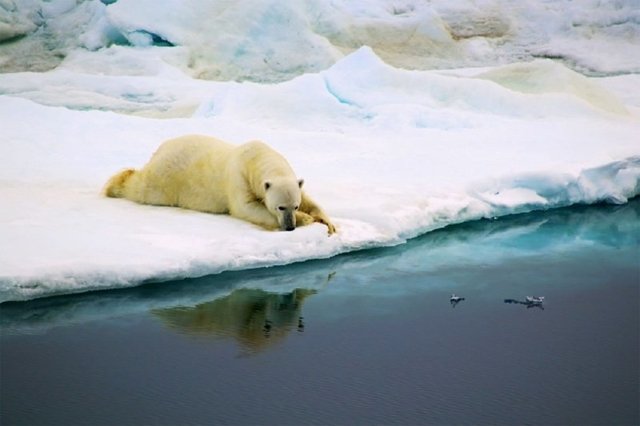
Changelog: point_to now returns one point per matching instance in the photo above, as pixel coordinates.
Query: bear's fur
(250, 181)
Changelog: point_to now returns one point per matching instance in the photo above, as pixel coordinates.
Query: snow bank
(389, 153)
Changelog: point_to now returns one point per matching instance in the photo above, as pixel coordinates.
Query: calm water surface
(366, 338)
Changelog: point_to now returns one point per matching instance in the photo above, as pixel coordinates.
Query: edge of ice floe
(615, 182)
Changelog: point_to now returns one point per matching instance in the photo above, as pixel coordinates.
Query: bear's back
(186, 150)
(260, 159)
(188, 171)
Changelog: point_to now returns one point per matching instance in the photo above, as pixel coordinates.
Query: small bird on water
(455, 299)
(534, 300)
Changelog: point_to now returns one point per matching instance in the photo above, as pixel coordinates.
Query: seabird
(535, 300)
(456, 299)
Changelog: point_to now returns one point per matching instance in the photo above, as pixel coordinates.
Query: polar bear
(250, 181)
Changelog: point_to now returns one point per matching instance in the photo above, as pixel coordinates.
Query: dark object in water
(455, 300)
(267, 327)
(535, 300)
(529, 302)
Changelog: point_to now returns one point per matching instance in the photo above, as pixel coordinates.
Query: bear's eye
(282, 208)
(296, 207)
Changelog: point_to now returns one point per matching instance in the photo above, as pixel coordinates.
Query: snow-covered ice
(272, 40)
(394, 139)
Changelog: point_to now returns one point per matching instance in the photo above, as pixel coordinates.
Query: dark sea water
(360, 339)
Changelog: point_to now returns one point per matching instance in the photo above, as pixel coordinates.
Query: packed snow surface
(390, 143)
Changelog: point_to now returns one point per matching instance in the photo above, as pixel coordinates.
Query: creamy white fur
(250, 181)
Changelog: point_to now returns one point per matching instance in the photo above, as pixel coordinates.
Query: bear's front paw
(303, 219)
(325, 221)
(332, 228)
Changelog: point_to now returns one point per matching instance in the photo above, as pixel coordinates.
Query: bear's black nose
(290, 228)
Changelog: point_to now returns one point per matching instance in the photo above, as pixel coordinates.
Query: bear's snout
(288, 222)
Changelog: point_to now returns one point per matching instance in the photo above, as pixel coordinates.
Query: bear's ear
(300, 183)
(267, 185)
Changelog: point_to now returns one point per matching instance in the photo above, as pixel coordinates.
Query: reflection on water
(386, 345)
(528, 304)
(255, 318)
(376, 272)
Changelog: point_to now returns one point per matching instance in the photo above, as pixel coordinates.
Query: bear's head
(282, 197)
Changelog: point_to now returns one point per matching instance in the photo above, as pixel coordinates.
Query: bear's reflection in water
(255, 318)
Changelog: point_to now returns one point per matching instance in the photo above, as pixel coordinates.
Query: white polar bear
(250, 181)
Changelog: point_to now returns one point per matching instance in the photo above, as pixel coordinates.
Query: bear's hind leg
(116, 185)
